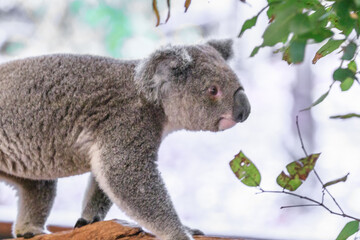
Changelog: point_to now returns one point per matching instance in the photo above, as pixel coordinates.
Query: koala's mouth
(226, 122)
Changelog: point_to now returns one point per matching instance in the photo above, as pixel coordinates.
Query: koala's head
(195, 86)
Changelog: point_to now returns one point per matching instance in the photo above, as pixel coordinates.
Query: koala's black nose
(242, 107)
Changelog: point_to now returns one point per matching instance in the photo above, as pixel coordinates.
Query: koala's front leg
(132, 181)
(95, 206)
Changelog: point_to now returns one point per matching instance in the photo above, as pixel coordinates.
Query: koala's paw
(194, 231)
(82, 221)
(28, 232)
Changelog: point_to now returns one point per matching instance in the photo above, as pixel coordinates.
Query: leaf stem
(263, 9)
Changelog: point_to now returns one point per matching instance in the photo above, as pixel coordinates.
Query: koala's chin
(226, 123)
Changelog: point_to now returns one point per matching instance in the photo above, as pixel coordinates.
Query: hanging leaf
(156, 11)
(327, 48)
(286, 55)
(349, 51)
(346, 116)
(245, 170)
(319, 100)
(349, 229)
(341, 74)
(247, 25)
(298, 172)
(255, 51)
(187, 4)
(168, 16)
(352, 66)
(297, 50)
(346, 84)
(333, 182)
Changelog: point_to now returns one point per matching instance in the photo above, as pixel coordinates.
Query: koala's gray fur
(62, 115)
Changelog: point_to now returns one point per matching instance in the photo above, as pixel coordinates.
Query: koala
(63, 115)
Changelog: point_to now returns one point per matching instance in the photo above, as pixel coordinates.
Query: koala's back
(47, 102)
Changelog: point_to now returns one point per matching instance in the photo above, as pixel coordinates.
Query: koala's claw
(194, 231)
(82, 221)
(26, 235)
(95, 219)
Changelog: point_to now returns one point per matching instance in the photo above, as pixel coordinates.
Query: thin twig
(311, 200)
(300, 137)
(316, 174)
(262, 10)
(301, 205)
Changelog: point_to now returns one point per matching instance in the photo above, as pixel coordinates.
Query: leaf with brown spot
(187, 4)
(327, 48)
(317, 57)
(271, 19)
(245, 170)
(298, 171)
(156, 11)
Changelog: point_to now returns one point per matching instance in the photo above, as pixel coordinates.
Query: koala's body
(62, 115)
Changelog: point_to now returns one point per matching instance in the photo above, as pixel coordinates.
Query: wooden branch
(111, 230)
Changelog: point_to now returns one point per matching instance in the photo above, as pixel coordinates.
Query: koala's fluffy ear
(224, 47)
(153, 75)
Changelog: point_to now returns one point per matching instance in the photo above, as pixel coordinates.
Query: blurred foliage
(13, 47)
(294, 24)
(113, 19)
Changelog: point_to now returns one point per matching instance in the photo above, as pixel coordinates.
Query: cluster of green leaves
(298, 171)
(296, 23)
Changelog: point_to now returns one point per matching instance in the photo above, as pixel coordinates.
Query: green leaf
(247, 25)
(341, 74)
(352, 66)
(255, 51)
(349, 229)
(333, 182)
(318, 34)
(346, 116)
(327, 48)
(346, 84)
(345, 22)
(319, 100)
(349, 51)
(245, 170)
(297, 50)
(298, 171)
(279, 30)
(300, 24)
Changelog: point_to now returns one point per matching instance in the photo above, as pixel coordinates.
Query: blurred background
(195, 166)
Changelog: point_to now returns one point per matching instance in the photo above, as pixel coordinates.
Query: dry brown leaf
(187, 4)
(156, 11)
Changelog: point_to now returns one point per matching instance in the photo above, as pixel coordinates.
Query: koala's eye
(213, 90)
